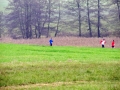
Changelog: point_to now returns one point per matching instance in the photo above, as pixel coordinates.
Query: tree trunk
(98, 18)
(58, 21)
(79, 10)
(30, 22)
(89, 21)
(27, 21)
(39, 29)
(36, 31)
(118, 9)
(49, 15)
(43, 25)
(1, 23)
(20, 24)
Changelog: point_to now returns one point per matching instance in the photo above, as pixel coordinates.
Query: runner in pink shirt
(102, 42)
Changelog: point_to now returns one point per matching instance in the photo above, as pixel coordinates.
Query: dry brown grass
(65, 41)
(54, 84)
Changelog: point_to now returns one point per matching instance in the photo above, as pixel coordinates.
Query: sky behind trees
(3, 4)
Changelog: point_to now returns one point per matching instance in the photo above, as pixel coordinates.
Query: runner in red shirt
(113, 44)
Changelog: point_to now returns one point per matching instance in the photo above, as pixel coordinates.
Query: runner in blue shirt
(51, 41)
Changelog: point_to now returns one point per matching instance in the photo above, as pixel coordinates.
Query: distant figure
(102, 42)
(113, 44)
(51, 41)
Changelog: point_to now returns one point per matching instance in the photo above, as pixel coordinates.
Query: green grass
(11, 52)
(60, 67)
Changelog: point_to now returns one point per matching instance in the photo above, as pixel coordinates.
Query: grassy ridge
(74, 67)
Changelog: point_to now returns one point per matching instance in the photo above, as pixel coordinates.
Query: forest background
(51, 18)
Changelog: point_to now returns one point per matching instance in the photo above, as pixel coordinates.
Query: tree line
(37, 18)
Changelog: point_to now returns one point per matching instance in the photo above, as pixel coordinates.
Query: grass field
(36, 67)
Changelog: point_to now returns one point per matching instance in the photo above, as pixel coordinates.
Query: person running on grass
(113, 44)
(102, 42)
(51, 41)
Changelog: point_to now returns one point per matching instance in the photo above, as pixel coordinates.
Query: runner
(102, 42)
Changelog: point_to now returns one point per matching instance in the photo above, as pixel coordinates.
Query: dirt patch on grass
(33, 85)
(54, 84)
(65, 41)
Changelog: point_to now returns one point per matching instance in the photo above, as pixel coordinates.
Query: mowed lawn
(35, 67)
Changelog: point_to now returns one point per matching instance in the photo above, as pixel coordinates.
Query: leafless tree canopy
(37, 18)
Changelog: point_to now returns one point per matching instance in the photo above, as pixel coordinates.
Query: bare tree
(79, 15)
(98, 18)
(28, 18)
(58, 18)
(1, 15)
(35, 18)
(39, 17)
(89, 21)
(49, 16)
(116, 20)
(25, 14)
(20, 16)
(118, 5)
